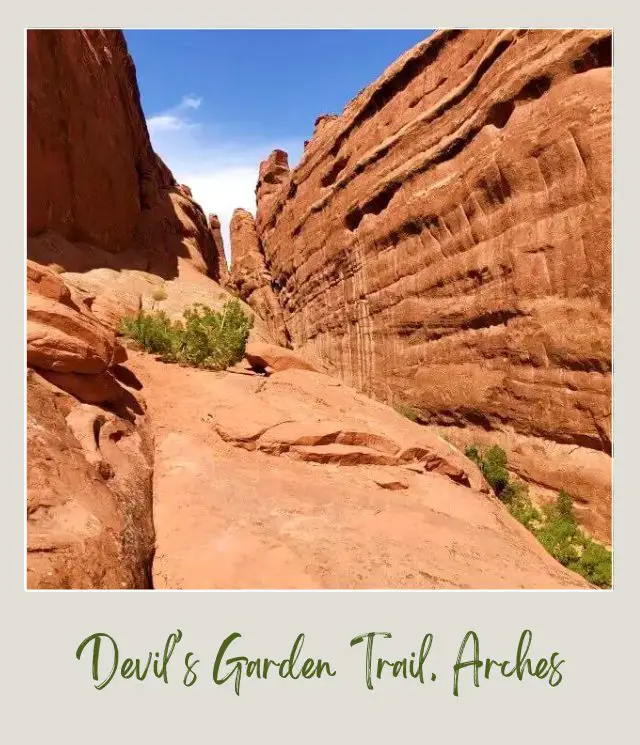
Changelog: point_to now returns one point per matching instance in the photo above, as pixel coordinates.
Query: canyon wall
(99, 204)
(445, 244)
(97, 194)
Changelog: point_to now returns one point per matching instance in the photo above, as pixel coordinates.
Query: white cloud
(191, 102)
(220, 167)
(175, 118)
(164, 122)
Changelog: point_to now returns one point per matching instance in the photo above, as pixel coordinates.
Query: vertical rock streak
(446, 242)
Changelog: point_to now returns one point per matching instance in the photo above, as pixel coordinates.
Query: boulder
(62, 339)
(269, 357)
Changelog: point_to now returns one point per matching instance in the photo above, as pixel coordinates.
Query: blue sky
(217, 102)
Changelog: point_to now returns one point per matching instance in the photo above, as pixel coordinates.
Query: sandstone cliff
(97, 195)
(446, 243)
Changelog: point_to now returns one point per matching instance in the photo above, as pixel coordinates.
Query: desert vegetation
(205, 338)
(408, 411)
(554, 525)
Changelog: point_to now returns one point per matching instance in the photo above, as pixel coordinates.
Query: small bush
(159, 294)
(562, 538)
(204, 338)
(407, 411)
(493, 464)
(595, 564)
(554, 526)
(155, 332)
(564, 506)
(516, 496)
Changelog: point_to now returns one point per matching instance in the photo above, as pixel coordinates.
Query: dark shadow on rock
(126, 407)
(127, 377)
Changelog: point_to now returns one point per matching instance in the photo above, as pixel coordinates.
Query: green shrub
(493, 464)
(155, 332)
(562, 538)
(516, 496)
(554, 526)
(595, 564)
(407, 411)
(564, 506)
(204, 338)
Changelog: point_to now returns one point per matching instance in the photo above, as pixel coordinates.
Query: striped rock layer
(445, 243)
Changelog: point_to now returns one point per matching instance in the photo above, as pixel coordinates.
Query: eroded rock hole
(599, 54)
(535, 88)
(500, 113)
(330, 177)
(374, 206)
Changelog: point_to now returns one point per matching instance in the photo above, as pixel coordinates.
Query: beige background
(48, 695)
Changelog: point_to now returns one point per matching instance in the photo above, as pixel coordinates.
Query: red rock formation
(221, 272)
(97, 195)
(446, 242)
(270, 358)
(89, 469)
(89, 510)
(62, 334)
(250, 276)
(274, 171)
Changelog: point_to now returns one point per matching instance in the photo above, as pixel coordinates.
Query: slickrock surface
(298, 481)
(97, 195)
(250, 276)
(446, 243)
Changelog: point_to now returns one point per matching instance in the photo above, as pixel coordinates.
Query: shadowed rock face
(97, 194)
(446, 242)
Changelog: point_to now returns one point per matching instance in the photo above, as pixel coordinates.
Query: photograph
(318, 309)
